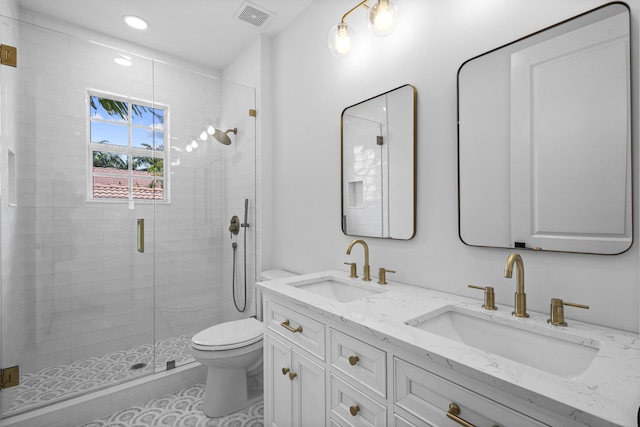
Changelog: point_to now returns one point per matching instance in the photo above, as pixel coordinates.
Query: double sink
(547, 348)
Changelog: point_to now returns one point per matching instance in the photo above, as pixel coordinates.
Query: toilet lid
(238, 333)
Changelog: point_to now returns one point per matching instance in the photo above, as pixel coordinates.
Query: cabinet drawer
(428, 397)
(298, 328)
(350, 407)
(362, 362)
(399, 421)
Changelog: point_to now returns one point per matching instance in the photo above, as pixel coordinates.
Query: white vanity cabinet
(319, 371)
(295, 385)
(428, 398)
(358, 381)
(294, 369)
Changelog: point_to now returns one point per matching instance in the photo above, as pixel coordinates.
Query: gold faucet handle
(489, 297)
(354, 269)
(557, 311)
(382, 275)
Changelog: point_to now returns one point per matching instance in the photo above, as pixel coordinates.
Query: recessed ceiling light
(136, 22)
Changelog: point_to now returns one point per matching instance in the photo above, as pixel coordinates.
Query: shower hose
(234, 245)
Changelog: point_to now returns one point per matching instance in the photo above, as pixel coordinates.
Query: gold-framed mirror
(378, 165)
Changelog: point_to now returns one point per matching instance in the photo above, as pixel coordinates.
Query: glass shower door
(209, 182)
(77, 298)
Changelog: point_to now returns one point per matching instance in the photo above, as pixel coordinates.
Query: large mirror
(378, 142)
(544, 139)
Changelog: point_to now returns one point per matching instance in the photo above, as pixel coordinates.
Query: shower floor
(65, 381)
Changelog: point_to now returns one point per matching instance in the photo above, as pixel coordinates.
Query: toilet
(230, 351)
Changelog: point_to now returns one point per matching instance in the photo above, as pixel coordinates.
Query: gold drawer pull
(353, 360)
(285, 325)
(452, 414)
(285, 370)
(292, 375)
(354, 410)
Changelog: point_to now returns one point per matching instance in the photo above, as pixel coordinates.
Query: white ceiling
(201, 31)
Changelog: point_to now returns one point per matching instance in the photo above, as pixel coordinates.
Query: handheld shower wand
(245, 224)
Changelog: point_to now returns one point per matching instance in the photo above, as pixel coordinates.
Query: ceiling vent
(253, 15)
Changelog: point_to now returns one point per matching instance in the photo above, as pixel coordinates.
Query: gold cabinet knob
(354, 410)
(353, 360)
(285, 370)
(292, 375)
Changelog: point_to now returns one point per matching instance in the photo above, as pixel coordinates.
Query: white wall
(433, 39)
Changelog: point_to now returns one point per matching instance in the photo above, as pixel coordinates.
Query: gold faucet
(557, 311)
(366, 269)
(521, 298)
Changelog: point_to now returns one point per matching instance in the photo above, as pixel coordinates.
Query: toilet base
(229, 372)
(219, 402)
(225, 392)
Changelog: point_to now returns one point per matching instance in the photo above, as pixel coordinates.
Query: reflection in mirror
(544, 139)
(378, 166)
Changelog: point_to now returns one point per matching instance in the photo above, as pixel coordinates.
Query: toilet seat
(229, 335)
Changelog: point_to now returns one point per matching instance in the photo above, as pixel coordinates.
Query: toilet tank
(265, 276)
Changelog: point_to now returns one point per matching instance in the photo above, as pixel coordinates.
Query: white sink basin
(337, 289)
(563, 354)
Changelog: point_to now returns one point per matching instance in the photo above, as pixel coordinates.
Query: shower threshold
(61, 382)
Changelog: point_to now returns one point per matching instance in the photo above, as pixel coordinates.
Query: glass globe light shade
(194, 143)
(341, 39)
(211, 130)
(203, 136)
(189, 148)
(383, 17)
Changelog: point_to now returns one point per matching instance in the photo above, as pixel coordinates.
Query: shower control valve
(234, 228)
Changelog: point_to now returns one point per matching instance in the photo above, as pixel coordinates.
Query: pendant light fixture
(382, 20)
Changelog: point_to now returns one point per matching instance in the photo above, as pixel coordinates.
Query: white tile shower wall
(240, 184)
(363, 215)
(88, 291)
(11, 246)
(189, 266)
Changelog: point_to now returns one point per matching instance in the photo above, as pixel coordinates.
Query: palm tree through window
(127, 149)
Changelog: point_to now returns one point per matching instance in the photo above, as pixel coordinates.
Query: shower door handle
(141, 235)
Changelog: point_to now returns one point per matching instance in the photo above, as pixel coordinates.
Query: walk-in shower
(87, 148)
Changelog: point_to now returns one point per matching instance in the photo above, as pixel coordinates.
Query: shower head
(223, 137)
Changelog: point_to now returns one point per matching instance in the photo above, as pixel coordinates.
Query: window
(127, 149)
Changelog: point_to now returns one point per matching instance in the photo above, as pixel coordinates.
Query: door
(294, 392)
(308, 391)
(77, 285)
(277, 393)
(569, 94)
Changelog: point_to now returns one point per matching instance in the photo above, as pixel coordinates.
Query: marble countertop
(606, 393)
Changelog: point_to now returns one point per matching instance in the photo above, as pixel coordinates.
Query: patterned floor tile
(62, 382)
(182, 409)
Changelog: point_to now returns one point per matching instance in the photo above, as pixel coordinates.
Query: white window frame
(128, 150)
